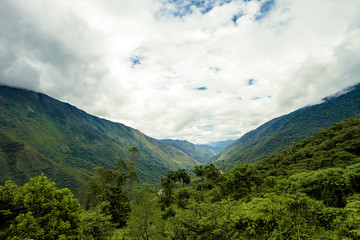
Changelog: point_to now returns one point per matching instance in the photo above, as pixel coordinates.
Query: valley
(304, 164)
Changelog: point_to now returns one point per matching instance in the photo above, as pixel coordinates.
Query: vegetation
(310, 190)
(280, 133)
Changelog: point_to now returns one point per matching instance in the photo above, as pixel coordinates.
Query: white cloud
(139, 64)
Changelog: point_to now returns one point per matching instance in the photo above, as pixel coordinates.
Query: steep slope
(77, 141)
(281, 132)
(337, 146)
(19, 162)
(198, 152)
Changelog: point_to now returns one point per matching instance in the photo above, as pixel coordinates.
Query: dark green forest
(310, 190)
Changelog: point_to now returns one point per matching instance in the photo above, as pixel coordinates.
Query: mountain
(281, 132)
(41, 134)
(337, 146)
(218, 147)
(199, 152)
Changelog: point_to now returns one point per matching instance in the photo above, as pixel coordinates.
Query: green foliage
(212, 173)
(96, 224)
(45, 212)
(203, 221)
(280, 217)
(107, 185)
(305, 192)
(200, 171)
(145, 220)
(352, 177)
(182, 197)
(328, 185)
(350, 226)
(325, 149)
(242, 180)
(182, 176)
(8, 208)
(169, 182)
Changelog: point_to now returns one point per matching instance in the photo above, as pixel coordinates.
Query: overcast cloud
(196, 70)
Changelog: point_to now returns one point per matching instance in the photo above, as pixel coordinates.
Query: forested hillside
(41, 134)
(199, 152)
(281, 132)
(310, 190)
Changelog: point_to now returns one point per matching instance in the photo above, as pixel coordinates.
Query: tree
(204, 221)
(107, 186)
(242, 180)
(328, 185)
(182, 176)
(145, 220)
(280, 217)
(212, 173)
(182, 197)
(167, 184)
(46, 212)
(200, 171)
(96, 224)
(8, 208)
(133, 178)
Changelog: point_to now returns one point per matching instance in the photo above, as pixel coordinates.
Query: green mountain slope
(198, 152)
(69, 138)
(20, 162)
(337, 146)
(281, 132)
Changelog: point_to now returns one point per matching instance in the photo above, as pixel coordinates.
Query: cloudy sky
(202, 71)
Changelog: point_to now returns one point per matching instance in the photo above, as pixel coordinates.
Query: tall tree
(107, 185)
(133, 178)
(145, 220)
(200, 171)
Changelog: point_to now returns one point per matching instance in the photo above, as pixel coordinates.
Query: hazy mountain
(42, 134)
(201, 153)
(217, 147)
(281, 132)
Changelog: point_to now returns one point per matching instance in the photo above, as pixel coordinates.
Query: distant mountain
(218, 147)
(201, 153)
(281, 132)
(41, 134)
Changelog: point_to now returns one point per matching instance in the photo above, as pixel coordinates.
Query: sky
(201, 71)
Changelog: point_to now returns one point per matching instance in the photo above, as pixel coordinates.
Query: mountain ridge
(198, 152)
(279, 133)
(79, 141)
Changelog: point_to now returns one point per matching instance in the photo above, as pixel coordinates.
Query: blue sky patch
(184, 7)
(251, 81)
(201, 88)
(236, 17)
(265, 9)
(256, 98)
(137, 60)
